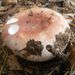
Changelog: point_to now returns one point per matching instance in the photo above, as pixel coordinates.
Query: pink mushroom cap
(39, 24)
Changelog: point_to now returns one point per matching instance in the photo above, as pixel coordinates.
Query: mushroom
(30, 31)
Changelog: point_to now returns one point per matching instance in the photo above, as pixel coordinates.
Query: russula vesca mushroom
(29, 32)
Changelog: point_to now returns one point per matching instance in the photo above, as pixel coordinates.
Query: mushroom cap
(39, 24)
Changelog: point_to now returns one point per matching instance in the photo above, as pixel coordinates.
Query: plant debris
(34, 47)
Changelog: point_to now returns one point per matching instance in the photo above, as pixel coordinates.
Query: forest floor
(14, 65)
